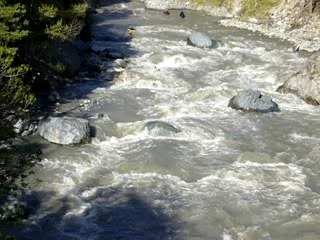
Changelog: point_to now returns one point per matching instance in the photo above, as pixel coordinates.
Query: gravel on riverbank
(290, 20)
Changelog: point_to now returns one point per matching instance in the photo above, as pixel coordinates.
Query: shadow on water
(109, 214)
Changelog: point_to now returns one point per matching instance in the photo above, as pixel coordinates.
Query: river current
(226, 175)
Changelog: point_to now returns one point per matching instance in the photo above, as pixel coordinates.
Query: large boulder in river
(199, 39)
(305, 83)
(160, 128)
(65, 130)
(253, 101)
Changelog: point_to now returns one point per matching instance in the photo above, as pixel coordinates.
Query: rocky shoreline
(286, 22)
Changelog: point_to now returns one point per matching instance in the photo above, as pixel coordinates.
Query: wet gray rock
(161, 128)
(25, 127)
(65, 130)
(54, 96)
(305, 83)
(253, 101)
(20, 126)
(120, 63)
(198, 39)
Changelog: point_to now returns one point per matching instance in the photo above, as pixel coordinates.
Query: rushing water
(226, 175)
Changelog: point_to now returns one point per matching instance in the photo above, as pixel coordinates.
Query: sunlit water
(226, 175)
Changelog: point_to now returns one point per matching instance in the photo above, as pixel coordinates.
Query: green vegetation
(26, 30)
(258, 8)
(215, 3)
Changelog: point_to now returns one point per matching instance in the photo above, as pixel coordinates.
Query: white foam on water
(190, 89)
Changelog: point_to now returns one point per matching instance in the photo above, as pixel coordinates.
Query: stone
(199, 39)
(120, 63)
(56, 95)
(160, 128)
(65, 130)
(305, 83)
(20, 126)
(253, 101)
(51, 98)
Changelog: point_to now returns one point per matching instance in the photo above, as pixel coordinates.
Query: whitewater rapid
(225, 175)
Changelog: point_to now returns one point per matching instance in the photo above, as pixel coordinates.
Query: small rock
(56, 95)
(120, 63)
(51, 98)
(20, 126)
(160, 128)
(199, 39)
(253, 101)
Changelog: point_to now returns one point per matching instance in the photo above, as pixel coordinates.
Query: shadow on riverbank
(109, 41)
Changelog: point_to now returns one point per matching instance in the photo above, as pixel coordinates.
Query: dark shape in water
(182, 15)
(131, 30)
(166, 12)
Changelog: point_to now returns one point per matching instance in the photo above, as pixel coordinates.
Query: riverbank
(289, 21)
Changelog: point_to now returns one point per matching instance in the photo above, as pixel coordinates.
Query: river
(224, 175)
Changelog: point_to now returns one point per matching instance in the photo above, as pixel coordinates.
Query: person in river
(166, 12)
(182, 15)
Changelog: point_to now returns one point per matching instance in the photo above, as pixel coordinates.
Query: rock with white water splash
(199, 39)
(253, 101)
(160, 128)
(120, 63)
(65, 130)
(305, 83)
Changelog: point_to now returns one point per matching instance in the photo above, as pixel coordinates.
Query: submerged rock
(199, 39)
(305, 83)
(253, 101)
(161, 128)
(65, 130)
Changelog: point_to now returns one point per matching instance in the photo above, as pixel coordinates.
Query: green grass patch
(258, 8)
(215, 3)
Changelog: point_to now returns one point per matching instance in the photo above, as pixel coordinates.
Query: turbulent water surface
(213, 173)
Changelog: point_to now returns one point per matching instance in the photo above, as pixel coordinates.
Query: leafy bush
(26, 29)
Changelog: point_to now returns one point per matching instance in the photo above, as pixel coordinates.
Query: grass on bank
(258, 8)
(215, 3)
